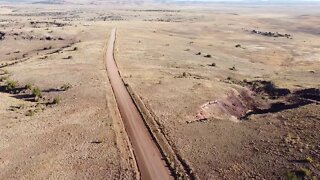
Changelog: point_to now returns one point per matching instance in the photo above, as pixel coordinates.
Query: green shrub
(28, 86)
(303, 172)
(309, 159)
(11, 84)
(291, 176)
(37, 93)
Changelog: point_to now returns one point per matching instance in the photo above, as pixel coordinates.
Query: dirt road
(148, 156)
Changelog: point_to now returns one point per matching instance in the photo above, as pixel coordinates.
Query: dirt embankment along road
(148, 157)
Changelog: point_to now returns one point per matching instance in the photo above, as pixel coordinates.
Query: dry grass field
(233, 89)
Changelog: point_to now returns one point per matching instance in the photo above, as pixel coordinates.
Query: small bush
(238, 46)
(184, 74)
(30, 113)
(28, 86)
(66, 87)
(33, 112)
(75, 48)
(11, 84)
(233, 68)
(37, 93)
(303, 172)
(213, 64)
(291, 176)
(309, 159)
(56, 100)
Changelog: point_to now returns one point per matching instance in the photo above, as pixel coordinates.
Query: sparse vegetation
(32, 112)
(44, 57)
(212, 64)
(11, 84)
(291, 176)
(233, 68)
(191, 95)
(28, 86)
(56, 100)
(4, 78)
(65, 87)
(303, 172)
(37, 93)
(18, 107)
(207, 56)
(309, 159)
(184, 74)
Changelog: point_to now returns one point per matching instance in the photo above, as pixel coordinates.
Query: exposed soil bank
(280, 99)
(256, 97)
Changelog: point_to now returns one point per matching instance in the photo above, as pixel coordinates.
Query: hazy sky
(263, 0)
(236, 1)
(280, 1)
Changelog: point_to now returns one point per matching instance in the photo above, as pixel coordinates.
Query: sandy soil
(244, 107)
(82, 136)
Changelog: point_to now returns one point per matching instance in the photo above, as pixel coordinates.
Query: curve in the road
(148, 157)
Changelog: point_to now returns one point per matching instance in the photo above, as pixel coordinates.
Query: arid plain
(229, 91)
